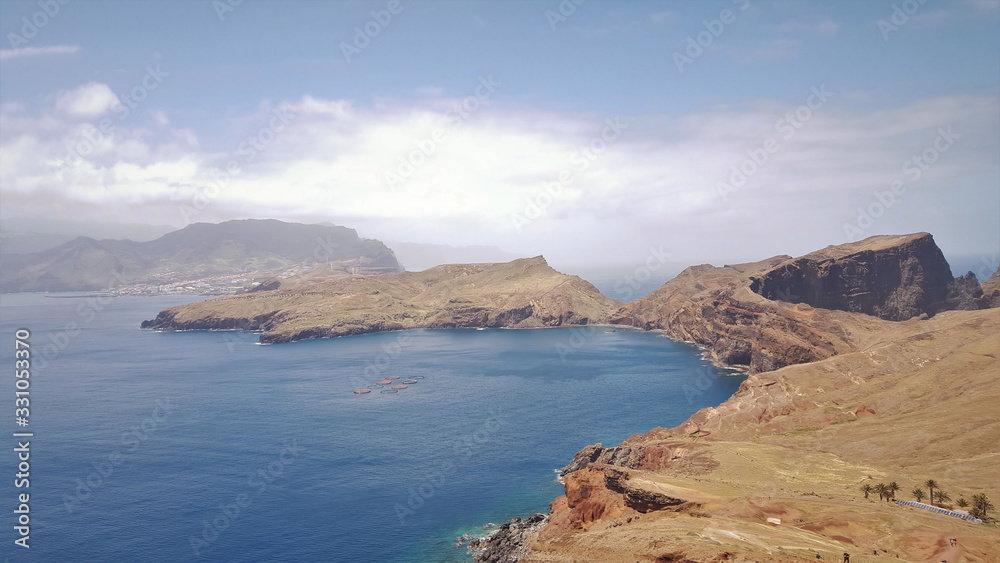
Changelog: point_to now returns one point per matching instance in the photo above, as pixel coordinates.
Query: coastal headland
(869, 363)
(524, 293)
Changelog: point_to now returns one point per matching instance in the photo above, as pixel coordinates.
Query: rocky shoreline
(759, 317)
(509, 544)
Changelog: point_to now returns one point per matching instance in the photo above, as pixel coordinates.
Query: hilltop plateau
(523, 293)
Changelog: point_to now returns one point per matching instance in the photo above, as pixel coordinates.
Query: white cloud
(38, 51)
(160, 118)
(89, 101)
(329, 162)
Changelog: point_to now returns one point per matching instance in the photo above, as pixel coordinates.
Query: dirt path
(951, 554)
(947, 552)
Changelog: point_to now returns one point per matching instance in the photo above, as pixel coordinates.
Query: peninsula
(868, 363)
(523, 293)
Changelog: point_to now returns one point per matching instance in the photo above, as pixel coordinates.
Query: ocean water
(203, 446)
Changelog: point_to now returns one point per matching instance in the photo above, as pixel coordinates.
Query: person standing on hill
(847, 557)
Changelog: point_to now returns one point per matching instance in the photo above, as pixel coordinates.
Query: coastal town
(168, 284)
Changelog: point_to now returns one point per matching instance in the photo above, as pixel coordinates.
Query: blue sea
(205, 446)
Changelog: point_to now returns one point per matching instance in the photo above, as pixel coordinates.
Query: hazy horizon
(718, 132)
(615, 278)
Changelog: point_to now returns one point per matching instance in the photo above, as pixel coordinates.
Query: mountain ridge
(198, 250)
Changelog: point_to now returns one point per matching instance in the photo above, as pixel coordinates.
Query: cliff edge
(784, 311)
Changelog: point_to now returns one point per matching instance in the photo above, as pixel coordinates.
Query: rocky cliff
(784, 311)
(510, 543)
(890, 277)
(522, 293)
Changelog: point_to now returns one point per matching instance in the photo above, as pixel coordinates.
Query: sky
(587, 131)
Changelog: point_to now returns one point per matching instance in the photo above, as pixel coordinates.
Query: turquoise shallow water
(232, 451)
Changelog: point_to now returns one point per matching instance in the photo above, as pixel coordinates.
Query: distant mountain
(416, 257)
(198, 250)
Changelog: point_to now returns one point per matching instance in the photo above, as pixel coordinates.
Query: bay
(206, 446)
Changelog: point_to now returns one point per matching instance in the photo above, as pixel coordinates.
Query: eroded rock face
(785, 311)
(603, 493)
(965, 294)
(640, 500)
(618, 455)
(895, 283)
(510, 543)
(678, 456)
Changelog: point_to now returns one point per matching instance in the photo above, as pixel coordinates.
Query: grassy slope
(521, 293)
(793, 445)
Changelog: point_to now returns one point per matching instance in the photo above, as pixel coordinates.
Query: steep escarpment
(522, 293)
(715, 307)
(891, 277)
(785, 311)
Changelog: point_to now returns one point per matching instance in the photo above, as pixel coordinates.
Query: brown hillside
(523, 293)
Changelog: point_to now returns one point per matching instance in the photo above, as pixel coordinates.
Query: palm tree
(942, 497)
(892, 488)
(981, 505)
(918, 494)
(882, 490)
(962, 502)
(931, 484)
(867, 489)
